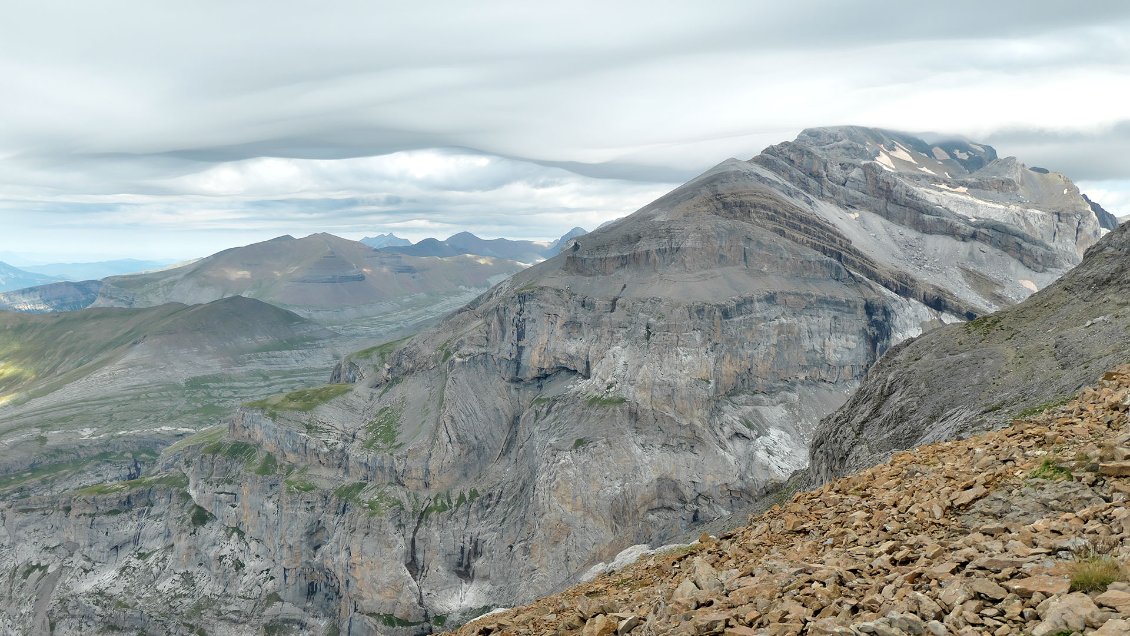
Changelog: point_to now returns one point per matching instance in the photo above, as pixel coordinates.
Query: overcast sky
(175, 129)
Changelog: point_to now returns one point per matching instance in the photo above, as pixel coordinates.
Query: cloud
(215, 110)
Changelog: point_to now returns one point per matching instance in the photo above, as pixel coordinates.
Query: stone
(628, 624)
(1115, 469)
(1072, 612)
(1115, 599)
(1040, 583)
(1114, 627)
(988, 589)
(599, 625)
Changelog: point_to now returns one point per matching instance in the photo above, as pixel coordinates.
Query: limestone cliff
(662, 371)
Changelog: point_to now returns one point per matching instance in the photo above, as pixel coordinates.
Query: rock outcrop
(977, 376)
(1021, 531)
(660, 372)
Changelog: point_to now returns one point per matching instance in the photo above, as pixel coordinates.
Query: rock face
(990, 535)
(658, 373)
(1016, 360)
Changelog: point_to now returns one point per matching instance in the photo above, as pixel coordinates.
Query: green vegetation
(349, 492)
(200, 516)
(32, 569)
(268, 466)
(439, 620)
(304, 400)
(579, 442)
(601, 400)
(238, 451)
(1032, 411)
(983, 325)
(176, 481)
(1050, 469)
(380, 503)
(379, 353)
(390, 620)
(381, 432)
(208, 435)
(299, 483)
(1094, 573)
(52, 471)
(273, 598)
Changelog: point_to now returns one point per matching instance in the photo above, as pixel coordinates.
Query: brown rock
(1115, 627)
(601, 625)
(1041, 583)
(988, 589)
(1116, 600)
(1115, 469)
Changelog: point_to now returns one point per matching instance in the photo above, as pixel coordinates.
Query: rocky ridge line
(977, 536)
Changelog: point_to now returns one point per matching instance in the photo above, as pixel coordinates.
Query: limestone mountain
(468, 243)
(1021, 531)
(385, 240)
(660, 372)
(1017, 359)
(320, 276)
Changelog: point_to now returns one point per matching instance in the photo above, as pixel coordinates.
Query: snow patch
(927, 170)
(885, 161)
(1029, 284)
(1065, 190)
(961, 155)
(961, 189)
(627, 557)
(939, 154)
(901, 153)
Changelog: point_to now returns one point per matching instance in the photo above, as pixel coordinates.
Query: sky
(171, 130)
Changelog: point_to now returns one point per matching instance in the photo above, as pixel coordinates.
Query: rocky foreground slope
(1020, 531)
(977, 376)
(662, 371)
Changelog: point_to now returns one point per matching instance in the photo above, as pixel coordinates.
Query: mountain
(320, 276)
(565, 240)
(977, 376)
(95, 270)
(909, 547)
(385, 240)
(661, 372)
(467, 243)
(16, 278)
(92, 395)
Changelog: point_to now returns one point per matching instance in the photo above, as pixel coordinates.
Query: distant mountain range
(468, 243)
(15, 278)
(320, 276)
(95, 270)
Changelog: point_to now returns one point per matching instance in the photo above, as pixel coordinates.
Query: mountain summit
(663, 371)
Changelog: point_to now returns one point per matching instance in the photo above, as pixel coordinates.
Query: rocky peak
(1018, 531)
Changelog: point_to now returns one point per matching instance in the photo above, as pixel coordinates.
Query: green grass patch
(304, 400)
(1032, 411)
(209, 435)
(350, 492)
(176, 481)
(381, 432)
(379, 353)
(391, 620)
(601, 400)
(1094, 573)
(380, 503)
(580, 442)
(59, 470)
(1050, 469)
(298, 483)
(268, 466)
(983, 325)
(237, 451)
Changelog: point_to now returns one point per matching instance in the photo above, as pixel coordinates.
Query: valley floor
(1020, 531)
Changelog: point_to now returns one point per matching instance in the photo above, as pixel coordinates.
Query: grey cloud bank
(176, 129)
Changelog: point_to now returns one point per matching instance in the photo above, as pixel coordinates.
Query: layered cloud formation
(208, 124)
